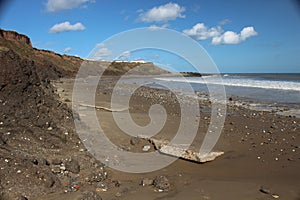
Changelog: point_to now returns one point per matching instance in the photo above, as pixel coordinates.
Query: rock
(118, 194)
(72, 165)
(60, 90)
(264, 190)
(2, 141)
(232, 98)
(55, 169)
(161, 183)
(134, 140)
(101, 187)
(146, 148)
(40, 161)
(22, 198)
(91, 196)
(117, 183)
(147, 182)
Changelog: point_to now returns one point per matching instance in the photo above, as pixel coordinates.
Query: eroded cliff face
(14, 36)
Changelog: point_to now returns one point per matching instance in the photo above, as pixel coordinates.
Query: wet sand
(262, 150)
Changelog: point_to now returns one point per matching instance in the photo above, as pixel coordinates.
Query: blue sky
(240, 36)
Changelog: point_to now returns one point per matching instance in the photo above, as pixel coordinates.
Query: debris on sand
(179, 151)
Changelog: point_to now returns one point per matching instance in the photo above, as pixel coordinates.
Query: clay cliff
(14, 36)
(53, 65)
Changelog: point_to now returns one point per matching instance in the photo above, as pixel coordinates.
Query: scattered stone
(22, 198)
(60, 90)
(147, 182)
(118, 194)
(72, 165)
(102, 187)
(40, 161)
(264, 190)
(161, 183)
(62, 168)
(134, 140)
(55, 169)
(146, 148)
(91, 196)
(96, 176)
(2, 141)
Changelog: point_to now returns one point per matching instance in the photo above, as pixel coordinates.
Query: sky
(240, 36)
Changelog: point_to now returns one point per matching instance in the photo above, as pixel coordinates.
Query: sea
(272, 92)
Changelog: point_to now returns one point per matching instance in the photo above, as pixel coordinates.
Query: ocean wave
(239, 82)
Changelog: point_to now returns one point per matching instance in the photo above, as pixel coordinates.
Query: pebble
(56, 169)
(49, 128)
(275, 196)
(264, 190)
(146, 148)
(147, 182)
(118, 194)
(102, 188)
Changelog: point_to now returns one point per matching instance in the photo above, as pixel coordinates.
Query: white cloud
(248, 32)
(201, 32)
(67, 50)
(224, 22)
(230, 37)
(59, 5)
(66, 26)
(163, 13)
(101, 53)
(155, 27)
(100, 45)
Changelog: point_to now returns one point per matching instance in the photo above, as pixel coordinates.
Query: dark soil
(36, 133)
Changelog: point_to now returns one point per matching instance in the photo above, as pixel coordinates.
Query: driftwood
(179, 151)
(103, 108)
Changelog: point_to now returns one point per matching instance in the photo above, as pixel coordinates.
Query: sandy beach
(261, 159)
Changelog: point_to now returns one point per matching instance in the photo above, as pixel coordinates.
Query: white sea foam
(238, 82)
